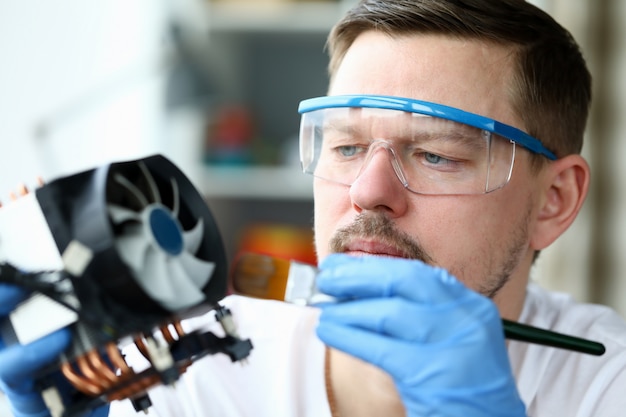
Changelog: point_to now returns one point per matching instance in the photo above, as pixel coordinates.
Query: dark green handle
(530, 334)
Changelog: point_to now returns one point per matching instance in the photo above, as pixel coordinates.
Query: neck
(511, 297)
(358, 389)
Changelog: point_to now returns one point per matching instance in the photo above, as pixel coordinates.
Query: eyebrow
(471, 141)
(468, 135)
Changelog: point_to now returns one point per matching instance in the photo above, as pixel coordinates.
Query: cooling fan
(152, 242)
(122, 251)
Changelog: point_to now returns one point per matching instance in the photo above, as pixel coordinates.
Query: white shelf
(256, 182)
(272, 16)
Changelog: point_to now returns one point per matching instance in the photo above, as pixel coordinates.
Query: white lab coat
(284, 374)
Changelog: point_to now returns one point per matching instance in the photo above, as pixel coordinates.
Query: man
(451, 135)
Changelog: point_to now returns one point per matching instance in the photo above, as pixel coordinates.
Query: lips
(367, 247)
(374, 233)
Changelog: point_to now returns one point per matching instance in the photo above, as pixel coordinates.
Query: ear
(566, 182)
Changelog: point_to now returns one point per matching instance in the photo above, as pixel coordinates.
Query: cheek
(470, 236)
(449, 229)
(332, 210)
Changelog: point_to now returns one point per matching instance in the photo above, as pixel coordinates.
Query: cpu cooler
(125, 251)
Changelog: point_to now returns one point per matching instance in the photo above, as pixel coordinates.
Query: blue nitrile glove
(19, 364)
(442, 343)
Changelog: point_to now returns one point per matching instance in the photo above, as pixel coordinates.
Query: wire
(33, 281)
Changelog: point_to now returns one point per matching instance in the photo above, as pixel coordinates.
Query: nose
(379, 145)
(377, 186)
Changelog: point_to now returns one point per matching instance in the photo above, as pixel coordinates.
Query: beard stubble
(379, 227)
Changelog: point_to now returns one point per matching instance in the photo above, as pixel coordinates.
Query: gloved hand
(19, 364)
(442, 343)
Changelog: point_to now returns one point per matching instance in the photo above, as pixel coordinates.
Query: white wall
(80, 84)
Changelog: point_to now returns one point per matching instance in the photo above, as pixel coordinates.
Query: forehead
(468, 74)
(388, 123)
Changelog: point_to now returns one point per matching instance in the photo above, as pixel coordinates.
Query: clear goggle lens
(429, 155)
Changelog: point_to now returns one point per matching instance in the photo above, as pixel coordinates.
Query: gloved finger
(420, 364)
(30, 404)
(407, 320)
(10, 296)
(346, 277)
(18, 363)
(102, 411)
(374, 348)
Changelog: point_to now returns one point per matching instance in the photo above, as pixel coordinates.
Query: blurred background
(214, 85)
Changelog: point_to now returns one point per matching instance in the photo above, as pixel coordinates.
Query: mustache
(379, 227)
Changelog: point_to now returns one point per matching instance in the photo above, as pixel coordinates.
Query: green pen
(525, 333)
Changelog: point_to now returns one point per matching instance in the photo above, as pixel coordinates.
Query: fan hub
(166, 230)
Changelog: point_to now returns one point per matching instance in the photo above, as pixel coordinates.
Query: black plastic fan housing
(157, 251)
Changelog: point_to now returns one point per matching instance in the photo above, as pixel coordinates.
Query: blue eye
(434, 158)
(347, 150)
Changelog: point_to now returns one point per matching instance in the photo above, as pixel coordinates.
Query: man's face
(481, 239)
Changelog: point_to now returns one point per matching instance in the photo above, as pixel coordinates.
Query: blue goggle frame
(430, 109)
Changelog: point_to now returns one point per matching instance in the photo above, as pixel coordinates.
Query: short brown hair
(551, 89)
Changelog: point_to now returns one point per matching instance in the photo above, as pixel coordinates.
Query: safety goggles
(432, 148)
